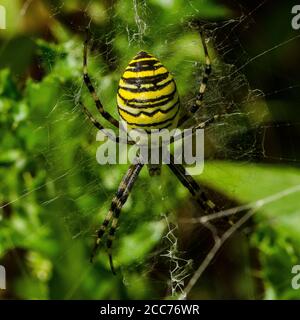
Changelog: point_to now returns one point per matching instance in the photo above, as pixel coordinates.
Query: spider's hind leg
(203, 84)
(87, 80)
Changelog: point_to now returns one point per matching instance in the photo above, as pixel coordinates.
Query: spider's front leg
(113, 214)
(194, 188)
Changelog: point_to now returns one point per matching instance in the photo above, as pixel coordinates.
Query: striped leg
(99, 126)
(203, 125)
(91, 88)
(203, 84)
(115, 208)
(197, 192)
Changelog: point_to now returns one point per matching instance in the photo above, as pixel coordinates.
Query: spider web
(244, 133)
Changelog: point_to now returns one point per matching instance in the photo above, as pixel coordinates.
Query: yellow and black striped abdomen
(147, 95)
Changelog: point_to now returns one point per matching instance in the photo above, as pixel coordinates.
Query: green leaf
(277, 234)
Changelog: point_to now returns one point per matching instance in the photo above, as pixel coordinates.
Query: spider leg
(195, 189)
(101, 231)
(99, 126)
(91, 88)
(203, 84)
(203, 125)
(116, 205)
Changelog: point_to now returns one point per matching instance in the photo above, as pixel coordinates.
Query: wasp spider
(147, 98)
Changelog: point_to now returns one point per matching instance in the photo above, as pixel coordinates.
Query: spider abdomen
(147, 95)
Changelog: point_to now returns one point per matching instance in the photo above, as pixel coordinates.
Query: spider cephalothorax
(147, 99)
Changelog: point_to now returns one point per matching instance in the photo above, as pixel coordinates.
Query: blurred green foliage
(53, 194)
